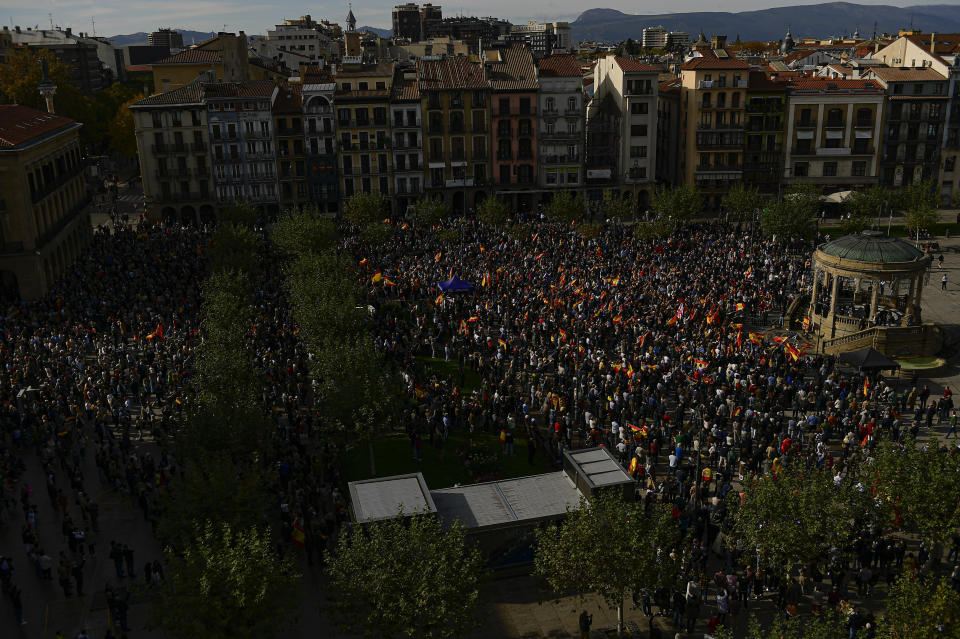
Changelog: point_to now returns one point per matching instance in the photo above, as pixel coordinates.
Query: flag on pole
(377, 277)
(439, 300)
(298, 535)
(437, 257)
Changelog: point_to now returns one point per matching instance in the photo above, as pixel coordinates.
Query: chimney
(933, 42)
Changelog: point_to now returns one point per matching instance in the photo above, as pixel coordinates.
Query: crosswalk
(131, 197)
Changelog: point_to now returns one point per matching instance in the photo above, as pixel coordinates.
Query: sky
(116, 17)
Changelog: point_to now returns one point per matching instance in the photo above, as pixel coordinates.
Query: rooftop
(628, 65)
(838, 84)
(873, 247)
(511, 68)
(559, 66)
(450, 73)
(386, 497)
(906, 74)
(20, 125)
(709, 62)
(187, 94)
(193, 56)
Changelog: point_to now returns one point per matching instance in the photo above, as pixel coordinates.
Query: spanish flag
(436, 258)
(563, 333)
(502, 343)
(419, 393)
(439, 299)
(672, 321)
(387, 282)
(617, 319)
(364, 261)
(701, 364)
(463, 327)
(749, 272)
(404, 226)
(473, 318)
(737, 411)
(485, 280)
(739, 306)
(792, 351)
(157, 332)
(376, 277)
(866, 387)
(630, 371)
(633, 466)
(298, 535)
(780, 339)
(806, 323)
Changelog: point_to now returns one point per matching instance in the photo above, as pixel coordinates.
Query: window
(800, 169)
(638, 130)
(834, 117)
(949, 164)
(934, 113)
(346, 86)
(343, 116)
(503, 107)
(551, 105)
(829, 169)
(637, 108)
(803, 147)
(735, 100)
(572, 105)
(638, 151)
(897, 89)
(805, 116)
(573, 176)
(859, 169)
(550, 128)
(832, 143)
(861, 145)
(381, 86)
(917, 89)
(157, 120)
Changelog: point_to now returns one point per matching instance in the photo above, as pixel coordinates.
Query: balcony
(504, 155)
(834, 123)
(525, 155)
(560, 135)
(807, 124)
(478, 127)
(52, 185)
(723, 126)
(456, 128)
(262, 177)
(525, 131)
(403, 124)
(549, 112)
(573, 112)
(479, 156)
(174, 172)
(199, 147)
(560, 159)
(718, 168)
(435, 128)
(863, 124)
(504, 132)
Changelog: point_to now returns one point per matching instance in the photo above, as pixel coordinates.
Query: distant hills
(383, 33)
(820, 20)
(189, 37)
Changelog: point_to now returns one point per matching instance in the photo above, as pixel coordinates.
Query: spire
(46, 87)
(351, 20)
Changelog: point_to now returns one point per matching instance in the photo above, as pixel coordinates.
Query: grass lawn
(443, 370)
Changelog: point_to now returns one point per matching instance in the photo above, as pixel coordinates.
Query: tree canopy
(406, 576)
(795, 216)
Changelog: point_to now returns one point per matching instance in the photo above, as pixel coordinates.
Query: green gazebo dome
(872, 247)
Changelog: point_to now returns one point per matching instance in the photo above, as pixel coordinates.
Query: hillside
(189, 37)
(834, 18)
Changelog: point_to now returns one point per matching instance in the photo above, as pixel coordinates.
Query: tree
(570, 554)
(406, 576)
(676, 205)
(122, 138)
(792, 518)
(864, 206)
(830, 625)
(917, 609)
(228, 583)
(430, 211)
(215, 487)
(795, 216)
(239, 213)
(363, 209)
(618, 208)
(234, 247)
(916, 486)
(919, 202)
(566, 206)
(742, 200)
(492, 212)
(20, 76)
(300, 231)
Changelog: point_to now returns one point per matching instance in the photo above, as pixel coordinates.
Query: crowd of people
(655, 350)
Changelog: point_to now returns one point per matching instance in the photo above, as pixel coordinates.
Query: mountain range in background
(189, 37)
(818, 20)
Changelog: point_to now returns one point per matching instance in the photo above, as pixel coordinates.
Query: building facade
(407, 139)
(916, 110)
(167, 38)
(713, 98)
(242, 142)
(288, 127)
(513, 99)
(172, 144)
(561, 131)
(542, 38)
(416, 22)
(455, 103)
(626, 91)
(833, 132)
(44, 224)
(765, 115)
(362, 102)
(320, 138)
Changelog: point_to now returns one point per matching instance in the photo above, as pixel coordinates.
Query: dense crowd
(653, 349)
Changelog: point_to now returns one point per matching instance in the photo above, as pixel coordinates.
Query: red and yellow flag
(298, 535)
(436, 258)
(377, 277)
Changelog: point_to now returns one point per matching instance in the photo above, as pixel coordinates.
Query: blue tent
(455, 285)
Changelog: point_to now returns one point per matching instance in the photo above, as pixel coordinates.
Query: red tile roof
(193, 56)
(513, 70)
(559, 66)
(828, 84)
(406, 90)
(897, 74)
(760, 81)
(187, 94)
(715, 63)
(450, 73)
(944, 43)
(626, 64)
(255, 89)
(288, 99)
(20, 124)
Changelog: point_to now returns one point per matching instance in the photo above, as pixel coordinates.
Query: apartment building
(669, 122)
(320, 137)
(833, 132)
(44, 225)
(765, 114)
(291, 170)
(560, 134)
(913, 126)
(455, 102)
(223, 58)
(407, 139)
(172, 133)
(625, 92)
(416, 22)
(242, 141)
(299, 38)
(713, 99)
(513, 99)
(542, 38)
(362, 102)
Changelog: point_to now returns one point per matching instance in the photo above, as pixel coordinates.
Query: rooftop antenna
(50, 15)
(93, 24)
